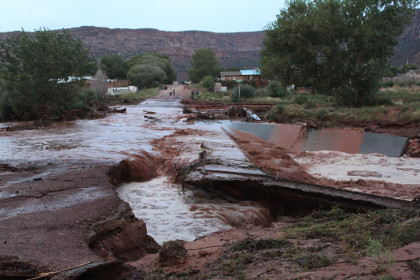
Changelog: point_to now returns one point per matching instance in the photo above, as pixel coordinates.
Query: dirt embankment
(60, 214)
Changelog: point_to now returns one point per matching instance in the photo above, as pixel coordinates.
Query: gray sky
(166, 15)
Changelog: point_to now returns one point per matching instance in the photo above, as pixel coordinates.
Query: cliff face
(408, 48)
(232, 49)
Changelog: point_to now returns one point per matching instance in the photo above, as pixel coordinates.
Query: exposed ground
(59, 213)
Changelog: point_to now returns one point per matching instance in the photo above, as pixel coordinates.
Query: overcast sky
(166, 15)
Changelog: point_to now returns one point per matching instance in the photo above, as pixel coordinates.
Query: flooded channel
(112, 138)
(158, 127)
(168, 212)
(172, 214)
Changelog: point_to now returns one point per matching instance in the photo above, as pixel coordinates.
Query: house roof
(250, 72)
(231, 73)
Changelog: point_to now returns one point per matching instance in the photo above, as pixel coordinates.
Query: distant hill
(232, 49)
(408, 48)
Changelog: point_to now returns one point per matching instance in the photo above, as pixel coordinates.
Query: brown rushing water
(168, 213)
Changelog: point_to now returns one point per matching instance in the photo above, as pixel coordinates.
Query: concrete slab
(291, 137)
(389, 145)
(297, 138)
(334, 139)
(262, 130)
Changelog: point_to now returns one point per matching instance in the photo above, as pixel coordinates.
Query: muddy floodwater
(172, 214)
(168, 212)
(112, 138)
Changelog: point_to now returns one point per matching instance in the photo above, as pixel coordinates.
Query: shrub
(87, 95)
(230, 84)
(310, 104)
(388, 84)
(208, 82)
(261, 92)
(383, 101)
(301, 99)
(321, 114)
(276, 89)
(275, 114)
(172, 251)
(246, 92)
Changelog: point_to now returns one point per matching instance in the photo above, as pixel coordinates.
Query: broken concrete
(299, 138)
(284, 197)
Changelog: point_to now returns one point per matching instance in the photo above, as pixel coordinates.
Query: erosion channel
(87, 190)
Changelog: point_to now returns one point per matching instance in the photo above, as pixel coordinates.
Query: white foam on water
(341, 166)
(170, 214)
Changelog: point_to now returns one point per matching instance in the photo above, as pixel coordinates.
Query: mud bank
(59, 214)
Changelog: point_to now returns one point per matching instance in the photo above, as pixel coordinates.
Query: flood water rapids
(168, 212)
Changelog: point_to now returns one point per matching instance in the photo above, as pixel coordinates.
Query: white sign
(121, 90)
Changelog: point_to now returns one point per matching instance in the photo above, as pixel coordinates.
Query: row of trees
(144, 70)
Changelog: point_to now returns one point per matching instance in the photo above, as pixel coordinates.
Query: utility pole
(239, 87)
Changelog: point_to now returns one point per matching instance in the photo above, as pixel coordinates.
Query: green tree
(114, 66)
(208, 82)
(203, 63)
(39, 71)
(340, 47)
(146, 75)
(159, 60)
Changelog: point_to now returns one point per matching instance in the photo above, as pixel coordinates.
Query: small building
(230, 76)
(252, 76)
(414, 73)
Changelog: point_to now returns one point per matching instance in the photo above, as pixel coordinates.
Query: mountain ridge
(233, 49)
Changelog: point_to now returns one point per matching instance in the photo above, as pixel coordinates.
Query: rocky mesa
(232, 49)
(240, 49)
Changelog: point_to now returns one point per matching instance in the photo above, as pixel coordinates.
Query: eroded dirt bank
(62, 213)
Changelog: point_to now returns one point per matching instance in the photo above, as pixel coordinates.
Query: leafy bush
(388, 84)
(301, 99)
(87, 95)
(84, 99)
(276, 89)
(383, 101)
(310, 104)
(246, 92)
(262, 92)
(172, 251)
(321, 114)
(208, 82)
(230, 84)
